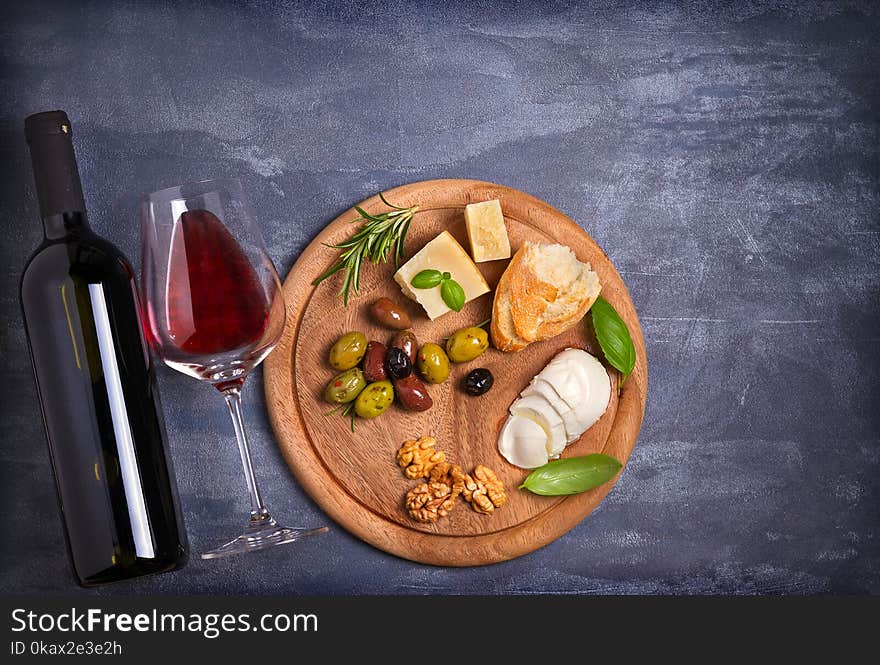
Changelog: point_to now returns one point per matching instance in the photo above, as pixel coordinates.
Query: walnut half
(449, 474)
(417, 457)
(428, 502)
(483, 490)
(434, 499)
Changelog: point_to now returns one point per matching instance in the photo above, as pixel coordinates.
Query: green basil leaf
(446, 275)
(572, 475)
(613, 336)
(426, 279)
(452, 294)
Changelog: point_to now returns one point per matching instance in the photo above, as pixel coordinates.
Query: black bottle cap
(55, 172)
(46, 123)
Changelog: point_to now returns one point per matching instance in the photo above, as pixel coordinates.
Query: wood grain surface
(353, 476)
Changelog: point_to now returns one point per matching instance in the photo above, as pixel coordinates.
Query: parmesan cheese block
(443, 253)
(487, 233)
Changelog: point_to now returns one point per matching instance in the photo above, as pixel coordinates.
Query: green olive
(467, 344)
(432, 363)
(344, 387)
(348, 350)
(374, 399)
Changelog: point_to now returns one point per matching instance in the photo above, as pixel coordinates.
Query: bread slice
(544, 292)
(502, 330)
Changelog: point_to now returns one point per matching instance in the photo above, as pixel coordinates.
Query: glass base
(261, 535)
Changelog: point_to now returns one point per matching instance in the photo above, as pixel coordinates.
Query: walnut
(450, 475)
(417, 457)
(483, 490)
(434, 499)
(428, 502)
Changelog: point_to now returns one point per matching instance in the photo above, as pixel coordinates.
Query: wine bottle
(95, 381)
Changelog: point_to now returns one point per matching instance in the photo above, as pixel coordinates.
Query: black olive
(398, 363)
(478, 381)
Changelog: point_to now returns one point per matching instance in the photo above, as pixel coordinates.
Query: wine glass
(214, 311)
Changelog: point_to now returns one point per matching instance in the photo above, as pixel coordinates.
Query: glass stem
(259, 512)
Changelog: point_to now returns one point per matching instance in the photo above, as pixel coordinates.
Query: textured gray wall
(726, 159)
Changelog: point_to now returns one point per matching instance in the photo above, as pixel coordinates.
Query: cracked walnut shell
(483, 490)
(417, 457)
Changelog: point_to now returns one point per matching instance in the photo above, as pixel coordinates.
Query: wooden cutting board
(354, 476)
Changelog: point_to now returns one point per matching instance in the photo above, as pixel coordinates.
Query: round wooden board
(354, 476)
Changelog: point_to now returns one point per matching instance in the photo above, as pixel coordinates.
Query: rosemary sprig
(379, 235)
(347, 411)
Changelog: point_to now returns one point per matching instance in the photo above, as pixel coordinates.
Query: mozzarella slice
(569, 417)
(562, 402)
(540, 387)
(523, 442)
(557, 442)
(542, 412)
(584, 369)
(600, 391)
(569, 383)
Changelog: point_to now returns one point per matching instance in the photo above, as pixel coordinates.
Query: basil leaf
(613, 336)
(426, 279)
(452, 294)
(572, 475)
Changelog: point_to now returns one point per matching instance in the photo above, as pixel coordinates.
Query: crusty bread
(544, 292)
(502, 330)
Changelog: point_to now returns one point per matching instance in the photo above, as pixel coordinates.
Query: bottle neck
(63, 224)
(59, 191)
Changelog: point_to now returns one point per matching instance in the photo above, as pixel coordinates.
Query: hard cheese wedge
(443, 253)
(486, 231)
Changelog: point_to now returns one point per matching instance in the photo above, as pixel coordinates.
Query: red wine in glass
(214, 311)
(215, 301)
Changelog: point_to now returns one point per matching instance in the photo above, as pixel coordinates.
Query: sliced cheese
(569, 417)
(600, 390)
(486, 231)
(523, 442)
(562, 402)
(537, 408)
(539, 386)
(567, 380)
(443, 253)
(583, 384)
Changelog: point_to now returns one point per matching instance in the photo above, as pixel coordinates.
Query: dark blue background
(726, 158)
